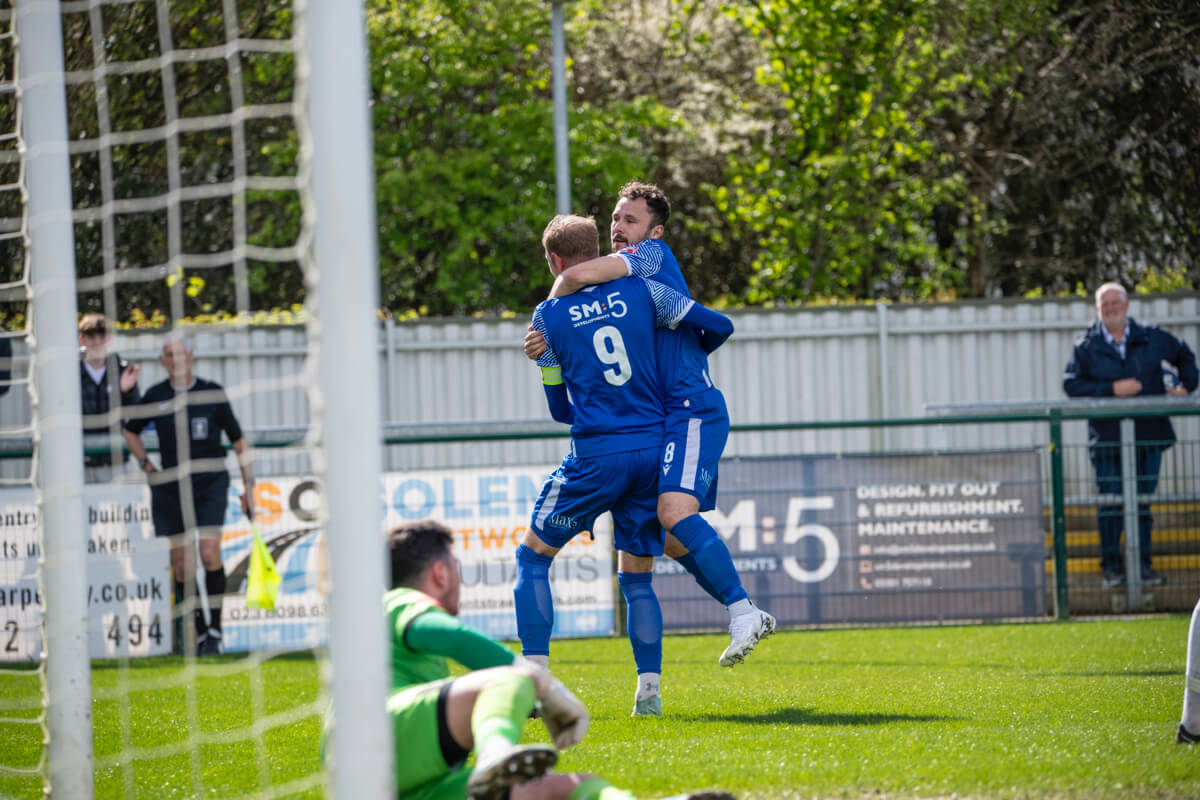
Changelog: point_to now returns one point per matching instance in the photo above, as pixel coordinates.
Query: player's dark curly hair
(414, 547)
(656, 199)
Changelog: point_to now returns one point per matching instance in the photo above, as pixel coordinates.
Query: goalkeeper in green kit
(439, 720)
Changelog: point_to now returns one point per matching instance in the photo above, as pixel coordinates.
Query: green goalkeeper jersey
(424, 636)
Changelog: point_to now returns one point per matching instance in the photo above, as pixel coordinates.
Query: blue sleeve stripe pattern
(669, 305)
(548, 358)
(644, 259)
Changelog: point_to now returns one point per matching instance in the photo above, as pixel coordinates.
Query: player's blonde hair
(572, 238)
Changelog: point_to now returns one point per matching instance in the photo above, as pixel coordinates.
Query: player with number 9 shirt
(697, 419)
(601, 346)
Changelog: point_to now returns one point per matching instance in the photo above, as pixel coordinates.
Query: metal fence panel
(781, 365)
(832, 364)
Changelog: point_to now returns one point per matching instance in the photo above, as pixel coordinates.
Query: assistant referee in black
(189, 414)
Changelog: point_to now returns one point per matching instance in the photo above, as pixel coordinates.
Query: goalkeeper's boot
(648, 706)
(745, 630)
(1184, 736)
(499, 769)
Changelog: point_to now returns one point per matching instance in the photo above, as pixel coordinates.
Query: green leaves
(465, 152)
(845, 191)
(812, 151)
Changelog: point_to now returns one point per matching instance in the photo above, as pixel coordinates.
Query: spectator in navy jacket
(1118, 357)
(109, 383)
(5, 365)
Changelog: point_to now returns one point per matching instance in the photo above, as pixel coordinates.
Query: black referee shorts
(210, 495)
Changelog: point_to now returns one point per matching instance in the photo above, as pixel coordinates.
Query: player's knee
(630, 563)
(674, 507)
(535, 543)
(530, 562)
(693, 532)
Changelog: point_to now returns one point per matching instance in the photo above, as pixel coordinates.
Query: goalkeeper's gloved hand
(565, 716)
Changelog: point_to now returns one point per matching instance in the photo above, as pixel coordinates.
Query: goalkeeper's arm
(566, 718)
(435, 631)
(439, 633)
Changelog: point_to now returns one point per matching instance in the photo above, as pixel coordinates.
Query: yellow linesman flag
(263, 581)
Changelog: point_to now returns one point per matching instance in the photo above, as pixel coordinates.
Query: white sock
(743, 606)
(647, 685)
(540, 660)
(1191, 695)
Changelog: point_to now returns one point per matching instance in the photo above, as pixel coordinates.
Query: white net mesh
(22, 687)
(186, 123)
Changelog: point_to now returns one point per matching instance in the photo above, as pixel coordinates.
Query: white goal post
(57, 409)
(343, 192)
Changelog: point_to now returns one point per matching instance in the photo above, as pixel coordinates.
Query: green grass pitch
(1074, 710)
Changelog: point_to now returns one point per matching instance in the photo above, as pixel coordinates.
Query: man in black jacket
(1118, 357)
(103, 395)
(5, 365)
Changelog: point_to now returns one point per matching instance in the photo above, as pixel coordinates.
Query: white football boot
(745, 630)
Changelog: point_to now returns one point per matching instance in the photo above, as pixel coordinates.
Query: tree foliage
(464, 151)
(842, 149)
(843, 190)
(159, 242)
(1103, 181)
(971, 148)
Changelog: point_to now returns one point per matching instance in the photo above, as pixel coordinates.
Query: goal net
(179, 174)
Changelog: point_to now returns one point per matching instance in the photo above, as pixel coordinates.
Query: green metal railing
(1054, 414)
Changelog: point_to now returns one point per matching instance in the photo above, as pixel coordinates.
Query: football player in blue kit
(601, 347)
(697, 421)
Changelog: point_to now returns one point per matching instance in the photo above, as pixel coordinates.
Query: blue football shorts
(693, 439)
(582, 489)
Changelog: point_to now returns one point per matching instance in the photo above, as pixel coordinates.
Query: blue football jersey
(603, 338)
(682, 362)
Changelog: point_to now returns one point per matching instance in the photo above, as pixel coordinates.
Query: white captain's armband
(552, 376)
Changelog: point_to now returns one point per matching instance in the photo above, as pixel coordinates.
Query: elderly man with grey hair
(190, 488)
(1120, 357)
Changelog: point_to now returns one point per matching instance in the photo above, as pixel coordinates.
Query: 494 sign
(111, 636)
(128, 616)
(128, 610)
(133, 633)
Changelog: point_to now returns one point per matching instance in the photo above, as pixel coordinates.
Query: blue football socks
(534, 602)
(644, 620)
(688, 562)
(712, 558)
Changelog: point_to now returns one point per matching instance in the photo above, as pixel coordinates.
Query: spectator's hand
(535, 345)
(566, 718)
(129, 377)
(1178, 391)
(1127, 387)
